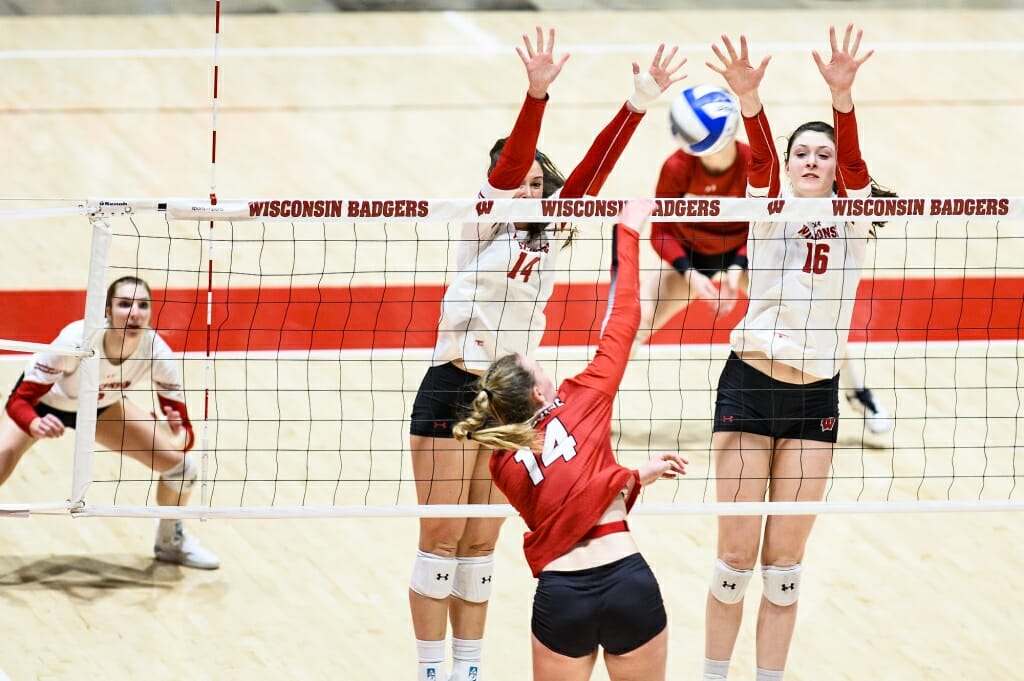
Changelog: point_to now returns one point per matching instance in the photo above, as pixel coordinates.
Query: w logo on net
(775, 207)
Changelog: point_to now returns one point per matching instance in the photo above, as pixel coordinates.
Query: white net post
(85, 430)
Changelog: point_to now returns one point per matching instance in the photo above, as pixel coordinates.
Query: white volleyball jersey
(803, 285)
(495, 304)
(152, 361)
(803, 277)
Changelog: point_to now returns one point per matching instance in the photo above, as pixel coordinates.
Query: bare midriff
(602, 550)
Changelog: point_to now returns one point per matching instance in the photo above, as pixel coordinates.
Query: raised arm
(519, 152)
(520, 149)
(590, 175)
(839, 73)
(622, 318)
(744, 80)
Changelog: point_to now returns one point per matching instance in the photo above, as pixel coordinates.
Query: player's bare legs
(551, 666)
(742, 463)
(127, 428)
(478, 540)
(800, 472)
(442, 468)
(646, 662)
(14, 442)
(662, 295)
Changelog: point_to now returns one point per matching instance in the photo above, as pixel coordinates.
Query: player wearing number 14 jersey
(494, 306)
(554, 462)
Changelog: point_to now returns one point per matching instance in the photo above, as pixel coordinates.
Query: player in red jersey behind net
(554, 462)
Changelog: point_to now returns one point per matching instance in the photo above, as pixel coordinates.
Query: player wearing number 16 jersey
(494, 306)
(777, 409)
(556, 466)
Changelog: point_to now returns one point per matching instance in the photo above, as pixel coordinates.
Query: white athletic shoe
(876, 416)
(184, 549)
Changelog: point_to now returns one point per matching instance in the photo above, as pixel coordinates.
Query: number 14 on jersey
(558, 444)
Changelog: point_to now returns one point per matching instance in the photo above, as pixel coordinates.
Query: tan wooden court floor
(411, 112)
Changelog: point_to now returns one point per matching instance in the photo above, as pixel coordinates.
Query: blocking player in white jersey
(494, 307)
(693, 254)
(777, 411)
(44, 403)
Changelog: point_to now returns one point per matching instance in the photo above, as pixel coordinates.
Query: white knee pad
(183, 476)
(432, 576)
(781, 584)
(728, 584)
(473, 579)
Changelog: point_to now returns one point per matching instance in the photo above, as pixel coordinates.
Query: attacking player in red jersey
(556, 466)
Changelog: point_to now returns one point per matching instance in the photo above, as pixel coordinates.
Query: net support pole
(88, 392)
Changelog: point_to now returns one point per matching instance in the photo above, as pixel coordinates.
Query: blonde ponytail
(502, 411)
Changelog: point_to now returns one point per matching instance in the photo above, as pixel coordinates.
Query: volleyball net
(305, 326)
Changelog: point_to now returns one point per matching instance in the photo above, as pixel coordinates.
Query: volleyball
(704, 118)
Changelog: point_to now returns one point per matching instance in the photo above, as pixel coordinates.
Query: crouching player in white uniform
(44, 403)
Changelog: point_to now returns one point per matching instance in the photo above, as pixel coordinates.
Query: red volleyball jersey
(683, 175)
(562, 491)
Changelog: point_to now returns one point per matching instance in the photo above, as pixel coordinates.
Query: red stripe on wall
(888, 310)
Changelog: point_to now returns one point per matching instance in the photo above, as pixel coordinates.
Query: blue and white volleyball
(704, 119)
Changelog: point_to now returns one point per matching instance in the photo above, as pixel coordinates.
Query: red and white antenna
(208, 364)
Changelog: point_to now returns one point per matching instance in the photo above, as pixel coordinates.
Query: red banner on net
(394, 317)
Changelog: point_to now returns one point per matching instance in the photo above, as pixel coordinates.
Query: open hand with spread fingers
(541, 66)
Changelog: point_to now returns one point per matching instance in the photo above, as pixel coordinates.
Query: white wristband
(645, 91)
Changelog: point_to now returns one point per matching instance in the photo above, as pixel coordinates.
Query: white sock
(769, 674)
(165, 529)
(716, 670)
(466, 659)
(431, 658)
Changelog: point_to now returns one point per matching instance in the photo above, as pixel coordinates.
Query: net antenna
(205, 432)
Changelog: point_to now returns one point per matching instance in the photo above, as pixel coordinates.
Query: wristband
(645, 91)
